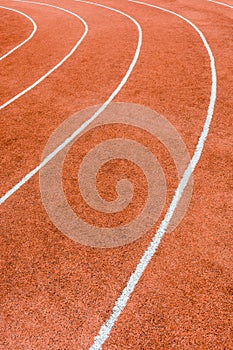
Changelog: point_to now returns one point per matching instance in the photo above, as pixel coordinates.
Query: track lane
(14, 29)
(29, 88)
(67, 93)
(83, 126)
(135, 277)
(184, 298)
(124, 58)
(24, 41)
(221, 3)
(21, 117)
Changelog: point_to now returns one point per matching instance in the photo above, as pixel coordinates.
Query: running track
(57, 294)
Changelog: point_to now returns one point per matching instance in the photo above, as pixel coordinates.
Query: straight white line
(93, 117)
(147, 256)
(57, 65)
(221, 3)
(26, 40)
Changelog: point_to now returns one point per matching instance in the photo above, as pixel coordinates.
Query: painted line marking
(59, 63)
(26, 40)
(121, 302)
(221, 3)
(92, 118)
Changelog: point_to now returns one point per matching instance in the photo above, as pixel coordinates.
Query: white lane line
(221, 3)
(93, 117)
(147, 256)
(26, 40)
(7, 103)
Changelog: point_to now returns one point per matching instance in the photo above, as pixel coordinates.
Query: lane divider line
(221, 3)
(121, 302)
(7, 103)
(26, 40)
(92, 118)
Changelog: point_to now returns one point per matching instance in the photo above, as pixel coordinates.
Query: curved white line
(221, 3)
(92, 118)
(59, 63)
(26, 40)
(149, 253)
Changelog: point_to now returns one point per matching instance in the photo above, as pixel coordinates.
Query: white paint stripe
(57, 65)
(147, 256)
(221, 3)
(93, 117)
(26, 40)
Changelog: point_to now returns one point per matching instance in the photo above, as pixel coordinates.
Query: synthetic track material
(57, 294)
(26, 40)
(7, 103)
(149, 253)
